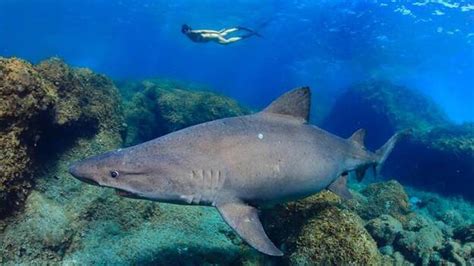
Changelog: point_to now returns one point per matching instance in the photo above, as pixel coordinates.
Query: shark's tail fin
(387, 148)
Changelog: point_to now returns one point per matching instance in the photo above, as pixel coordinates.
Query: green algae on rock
(158, 107)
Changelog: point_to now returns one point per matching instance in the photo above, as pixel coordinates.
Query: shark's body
(238, 163)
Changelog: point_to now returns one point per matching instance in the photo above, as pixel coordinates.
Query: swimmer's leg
(224, 32)
(229, 40)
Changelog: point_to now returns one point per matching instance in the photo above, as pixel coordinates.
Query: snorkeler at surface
(217, 36)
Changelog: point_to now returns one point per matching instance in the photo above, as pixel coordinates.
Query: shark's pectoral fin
(245, 222)
(339, 187)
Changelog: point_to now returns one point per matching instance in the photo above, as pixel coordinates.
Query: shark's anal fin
(295, 104)
(245, 222)
(339, 187)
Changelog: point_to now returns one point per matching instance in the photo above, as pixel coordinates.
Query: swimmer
(217, 36)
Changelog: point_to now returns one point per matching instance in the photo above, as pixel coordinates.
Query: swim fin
(251, 32)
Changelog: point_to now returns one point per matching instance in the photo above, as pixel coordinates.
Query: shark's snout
(79, 173)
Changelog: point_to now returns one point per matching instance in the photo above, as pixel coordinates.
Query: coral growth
(161, 106)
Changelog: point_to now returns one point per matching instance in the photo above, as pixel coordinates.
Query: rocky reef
(380, 226)
(437, 149)
(43, 107)
(160, 106)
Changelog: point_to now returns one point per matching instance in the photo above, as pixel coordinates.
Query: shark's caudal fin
(385, 150)
(295, 104)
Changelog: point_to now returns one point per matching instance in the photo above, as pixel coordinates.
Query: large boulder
(25, 98)
(384, 229)
(43, 109)
(383, 198)
(158, 107)
(439, 154)
(421, 246)
(319, 230)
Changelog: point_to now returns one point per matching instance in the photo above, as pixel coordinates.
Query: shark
(239, 165)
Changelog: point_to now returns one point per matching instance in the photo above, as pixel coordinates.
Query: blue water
(425, 44)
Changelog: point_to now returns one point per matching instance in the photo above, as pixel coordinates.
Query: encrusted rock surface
(158, 107)
(45, 106)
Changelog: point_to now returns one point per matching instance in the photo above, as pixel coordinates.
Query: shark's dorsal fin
(339, 187)
(295, 103)
(245, 222)
(358, 136)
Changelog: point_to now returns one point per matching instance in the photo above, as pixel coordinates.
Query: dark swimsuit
(196, 37)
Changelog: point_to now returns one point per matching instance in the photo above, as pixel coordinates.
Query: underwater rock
(464, 233)
(48, 227)
(384, 198)
(324, 241)
(437, 149)
(86, 98)
(318, 230)
(159, 107)
(415, 222)
(384, 229)
(25, 98)
(420, 246)
(456, 253)
(43, 109)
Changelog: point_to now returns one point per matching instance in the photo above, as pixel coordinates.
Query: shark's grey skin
(236, 164)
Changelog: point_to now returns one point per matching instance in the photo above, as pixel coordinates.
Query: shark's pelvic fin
(245, 222)
(295, 103)
(339, 187)
(358, 136)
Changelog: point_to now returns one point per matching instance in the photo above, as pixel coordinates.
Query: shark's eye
(114, 173)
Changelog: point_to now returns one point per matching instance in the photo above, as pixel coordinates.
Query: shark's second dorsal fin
(358, 136)
(295, 103)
